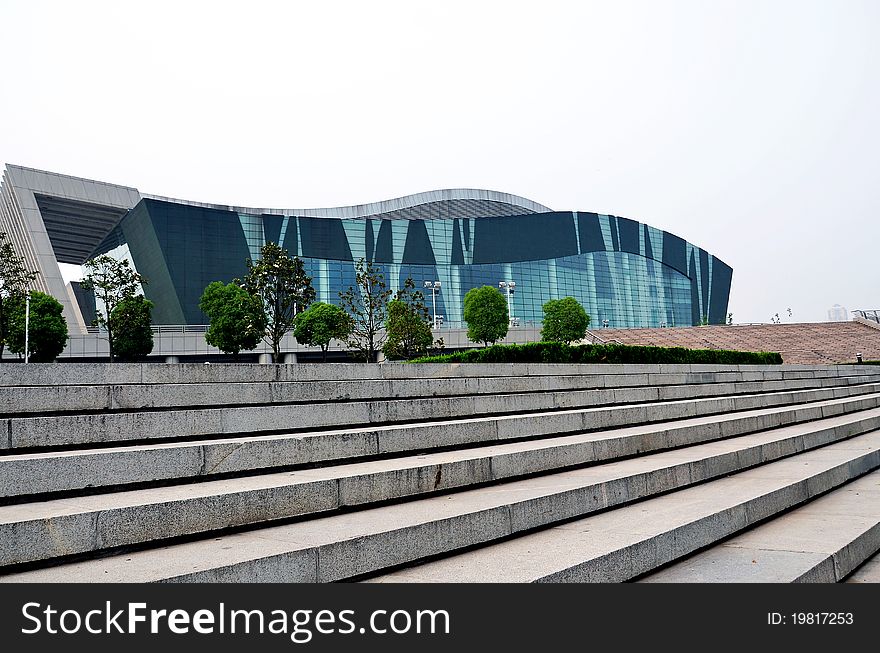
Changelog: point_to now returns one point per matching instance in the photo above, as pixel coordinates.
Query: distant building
(620, 270)
(838, 313)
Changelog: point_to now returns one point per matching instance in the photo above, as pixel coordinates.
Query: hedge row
(555, 352)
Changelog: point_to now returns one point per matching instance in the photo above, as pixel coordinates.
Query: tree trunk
(2, 331)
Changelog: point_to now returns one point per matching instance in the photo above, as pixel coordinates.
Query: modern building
(838, 313)
(625, 273)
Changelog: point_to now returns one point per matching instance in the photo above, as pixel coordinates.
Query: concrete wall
(170, 342)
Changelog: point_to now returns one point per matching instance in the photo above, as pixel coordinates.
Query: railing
(873, 316)
(180, 328)
(162, 328)
(596, 339)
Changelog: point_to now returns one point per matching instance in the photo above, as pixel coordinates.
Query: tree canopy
(565, 320)
(319, 324)
(485, 311)
(237, 320)
(367, 305)
(131, 323)
(283, 288)
(407, 325)
(113, 281)
(47, 328)
(15, 277)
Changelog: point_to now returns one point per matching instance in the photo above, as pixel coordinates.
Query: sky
(750, 128)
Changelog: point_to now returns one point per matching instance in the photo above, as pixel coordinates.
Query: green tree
(485, 311)
(319, 324)
(15, 277)
(237, 320)
(131, 322)
(47, 328)
(112, 281)
(565, 320)
(283, 288)
(408, 324)
(367, 305)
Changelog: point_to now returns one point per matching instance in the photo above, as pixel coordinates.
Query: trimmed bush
(485, 311)
(131, 322)
(565, 320)
(48, 329)
(557, 352)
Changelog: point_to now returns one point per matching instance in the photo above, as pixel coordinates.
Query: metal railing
(180, 328)
(596, 339)
(873, 316)
(162, 328)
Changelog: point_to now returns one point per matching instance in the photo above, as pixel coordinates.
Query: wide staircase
(432, 473)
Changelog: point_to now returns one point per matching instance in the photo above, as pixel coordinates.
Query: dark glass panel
(695, 291)
(324, 238)
(628, 232)
(615, 239)
(649, 251)
(590, 232)
(675, 253)
(384, 243)
(272, 228)
(291, 236)
(457, 251)
(369, 237)
(417, 249)
(721, 278)
(524, 238)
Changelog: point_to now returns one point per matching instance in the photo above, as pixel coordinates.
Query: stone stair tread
(112, 428)
(868, 572)
(146, 373)
(494, 472)
(53, 471)
(821, 541)
(425, 463)
(349, 544)
(79, 397)
(608, 546)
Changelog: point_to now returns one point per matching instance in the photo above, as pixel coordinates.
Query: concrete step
(22, 400)
(821, 542)
(79, 398)
(24, 432)
(49, 472)
(63, 374)
(346, 545)
(869, 572)
(620, 544)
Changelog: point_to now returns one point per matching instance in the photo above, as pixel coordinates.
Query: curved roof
(435, 204)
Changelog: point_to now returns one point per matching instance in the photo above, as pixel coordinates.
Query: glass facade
(620, 270)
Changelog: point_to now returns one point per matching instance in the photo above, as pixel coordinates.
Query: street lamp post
(435, 288)
(27, 326)
(510, 288)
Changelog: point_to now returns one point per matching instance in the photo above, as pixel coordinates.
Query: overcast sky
(750, 128)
